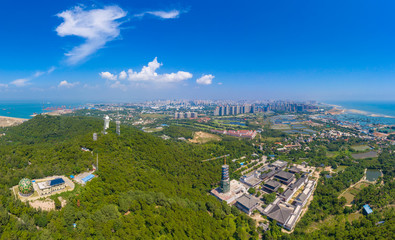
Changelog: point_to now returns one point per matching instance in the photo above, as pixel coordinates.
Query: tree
(58, 204)
(251, 191)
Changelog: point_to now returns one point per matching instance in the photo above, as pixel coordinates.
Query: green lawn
(360, 148)
(340, 168)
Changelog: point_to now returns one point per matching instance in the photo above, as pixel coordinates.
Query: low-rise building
(285, 214)
(237, 189)
(247, 203)
(279, 164)
(284, 177)
(50, 186)
(271, 186)
(252, 179)
(366, 209)
(294, 170)
(301, 199)
(267, 173)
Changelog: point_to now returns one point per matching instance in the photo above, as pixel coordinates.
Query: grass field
(349, 197)
(360, 148)
(351, 192)
(331, 154)
(340, 168)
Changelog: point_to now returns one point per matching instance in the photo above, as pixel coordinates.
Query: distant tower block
(106, 122)
(225, 181)
(118, 122)
(94, 136)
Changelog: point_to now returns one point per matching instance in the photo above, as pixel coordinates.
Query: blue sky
(137, 50)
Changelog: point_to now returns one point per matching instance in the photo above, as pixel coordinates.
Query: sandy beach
(10, 121)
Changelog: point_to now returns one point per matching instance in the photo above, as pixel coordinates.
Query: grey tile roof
(295, 169)
(272, 184)
(280, 214)
(287, 193)
(301, 197)
(248, 201)
(284, 175)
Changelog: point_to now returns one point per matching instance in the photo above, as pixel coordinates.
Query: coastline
(11, 121)
(343, 110)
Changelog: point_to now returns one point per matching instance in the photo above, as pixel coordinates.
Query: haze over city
(141, 50)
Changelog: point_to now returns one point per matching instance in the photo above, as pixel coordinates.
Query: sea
(28, 109)
(368, 112)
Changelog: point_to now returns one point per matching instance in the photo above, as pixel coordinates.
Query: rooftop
(236, 190)
(281, 213)
(299, 182)
(295, 170)
(279, 164)
(272, 184)
(367, 209)
(56, 181)
(284, 175)
(248, 201)
(287, 193)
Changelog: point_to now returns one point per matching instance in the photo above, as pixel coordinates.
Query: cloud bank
(96, 26)
(205, 79)
(147, 74)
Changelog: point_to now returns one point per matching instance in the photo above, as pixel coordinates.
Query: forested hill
(44, 128)
(146, 187)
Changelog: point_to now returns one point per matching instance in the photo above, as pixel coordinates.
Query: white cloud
(205, 79)
(108, 76)
(96, 26)
(40, 73)
(3, 85)
(67, 84)
(123, 75)
(161, 14)
(20, 82)
(51, 69)
(148, 74)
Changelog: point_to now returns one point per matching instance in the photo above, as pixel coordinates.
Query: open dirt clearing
(203, 137)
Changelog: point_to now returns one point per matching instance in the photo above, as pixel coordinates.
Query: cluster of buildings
(183, 115)
(251, 134)
(286, 208)
(234, 110)
(285, 106)
(43, 187)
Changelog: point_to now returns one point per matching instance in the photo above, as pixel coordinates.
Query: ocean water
(26, 110)
(381, 108)
(374, 112)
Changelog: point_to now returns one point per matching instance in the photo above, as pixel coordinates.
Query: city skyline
(134, 51)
